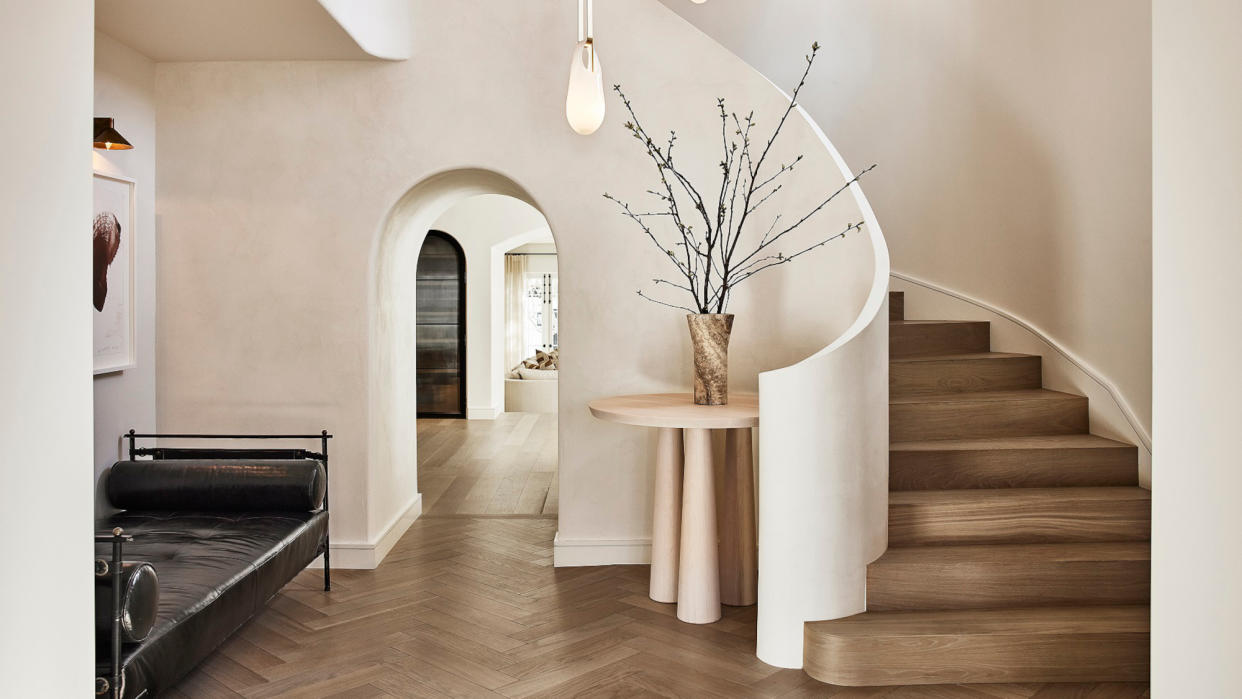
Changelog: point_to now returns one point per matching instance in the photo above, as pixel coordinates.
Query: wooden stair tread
(935, 373)
(980, 414)
(999, 576)
(923, 337)
(1052, 441)
(1016, 496)
(1018, 516)
(1038, 644)
(937, 322)
(1049, 461)
(1017, 553)
(1028, 394)
(991, 622)
(960, 356)
(896, 305)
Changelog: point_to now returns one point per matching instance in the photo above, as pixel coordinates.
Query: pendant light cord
(586, 31)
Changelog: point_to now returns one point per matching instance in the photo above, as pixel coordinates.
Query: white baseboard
(569, 553)
(487, 413)
(362, 555)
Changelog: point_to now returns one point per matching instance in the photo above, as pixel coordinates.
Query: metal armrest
(112, 686)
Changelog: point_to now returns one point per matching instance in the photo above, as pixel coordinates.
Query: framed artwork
(112, 276)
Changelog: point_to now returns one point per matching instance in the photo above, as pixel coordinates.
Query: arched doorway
(393, 484)
(440, 332)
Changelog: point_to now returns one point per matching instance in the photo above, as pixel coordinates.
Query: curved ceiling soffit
(382, 28)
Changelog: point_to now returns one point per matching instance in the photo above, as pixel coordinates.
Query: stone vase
(709, 333)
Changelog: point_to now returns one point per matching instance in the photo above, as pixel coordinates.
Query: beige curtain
(515, 288)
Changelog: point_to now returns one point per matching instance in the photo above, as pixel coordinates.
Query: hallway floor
(505, 466)
(472, 607)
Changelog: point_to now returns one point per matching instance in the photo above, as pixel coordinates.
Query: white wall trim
(361, 555)
(1109, 387)
(569, 553)
(490, 412)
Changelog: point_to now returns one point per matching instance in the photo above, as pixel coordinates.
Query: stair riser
(1012, 468)
(982, 585)
(964, 375)
(937, 338)
(896, 305)
(1017, 417)
(1003, 522)
(898, 660)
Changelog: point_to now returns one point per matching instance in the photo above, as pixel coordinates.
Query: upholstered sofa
(224, 532)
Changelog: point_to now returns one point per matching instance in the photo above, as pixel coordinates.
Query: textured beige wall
(125, 90)
(277, 179)
(1014, 144)
(1197, 244)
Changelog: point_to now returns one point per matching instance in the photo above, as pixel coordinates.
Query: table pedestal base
(666, 521)
(698, 579)
(701, 557)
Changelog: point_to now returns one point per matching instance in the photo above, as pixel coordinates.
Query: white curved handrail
(823, 467)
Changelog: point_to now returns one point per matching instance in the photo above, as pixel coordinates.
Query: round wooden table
(702, 554)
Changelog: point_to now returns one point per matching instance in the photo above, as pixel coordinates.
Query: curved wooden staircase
(1018, 542)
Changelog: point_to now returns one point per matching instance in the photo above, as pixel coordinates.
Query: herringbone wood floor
(472, 607)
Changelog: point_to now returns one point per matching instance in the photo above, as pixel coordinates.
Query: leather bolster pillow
(280, 485)
(140, 600)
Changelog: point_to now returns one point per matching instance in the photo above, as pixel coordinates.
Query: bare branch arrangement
(708, 257)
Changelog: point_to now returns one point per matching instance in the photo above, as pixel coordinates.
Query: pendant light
(106, 136)
(584, 102)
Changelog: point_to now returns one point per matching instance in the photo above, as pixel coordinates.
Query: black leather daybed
(224, 531)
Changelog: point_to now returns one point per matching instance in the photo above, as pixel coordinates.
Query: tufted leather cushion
(217, 570)
(140, 598)
(293, 485)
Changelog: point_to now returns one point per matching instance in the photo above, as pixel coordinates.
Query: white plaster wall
(125, 90)
(479, 224)
(1197, 243)
(1014, 144)
(47, 597)
(276, 180)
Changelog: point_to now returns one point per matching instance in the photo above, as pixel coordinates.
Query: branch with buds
(701, 236)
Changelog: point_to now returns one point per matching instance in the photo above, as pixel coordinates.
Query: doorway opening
(440, 327)
(487, 298)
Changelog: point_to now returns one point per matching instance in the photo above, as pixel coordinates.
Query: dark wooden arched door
(441, 327)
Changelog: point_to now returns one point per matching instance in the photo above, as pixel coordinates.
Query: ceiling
(227, 30)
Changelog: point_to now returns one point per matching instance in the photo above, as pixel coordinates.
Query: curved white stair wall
(823, 467)
(1111, 413)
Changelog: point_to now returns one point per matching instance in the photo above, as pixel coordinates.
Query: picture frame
(112, 275)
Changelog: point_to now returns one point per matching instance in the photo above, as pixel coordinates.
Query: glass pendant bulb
(584, 102)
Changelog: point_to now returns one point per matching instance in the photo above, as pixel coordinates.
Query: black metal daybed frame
(113, 686)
